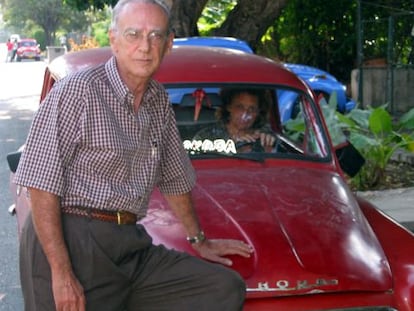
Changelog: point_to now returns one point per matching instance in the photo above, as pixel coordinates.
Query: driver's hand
(249, 138)
(267, 140)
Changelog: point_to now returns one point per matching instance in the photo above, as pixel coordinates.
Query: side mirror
(350, 159)
(13, 160)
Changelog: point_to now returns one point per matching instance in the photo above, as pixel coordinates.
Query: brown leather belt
(119, 217)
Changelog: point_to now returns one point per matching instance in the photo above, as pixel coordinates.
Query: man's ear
(112, 38)
(169, 44)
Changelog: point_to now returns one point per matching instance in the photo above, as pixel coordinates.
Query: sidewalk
(397, 203)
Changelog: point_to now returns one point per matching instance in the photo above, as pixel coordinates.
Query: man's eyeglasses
(155, 37)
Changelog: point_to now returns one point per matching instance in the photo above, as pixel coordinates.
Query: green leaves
(380, 122)
(86, 4)
(376, 136)
(407, 120)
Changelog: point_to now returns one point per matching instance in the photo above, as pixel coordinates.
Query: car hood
(27, 49)
(308, 233)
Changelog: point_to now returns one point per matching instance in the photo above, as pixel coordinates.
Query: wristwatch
(200, 237)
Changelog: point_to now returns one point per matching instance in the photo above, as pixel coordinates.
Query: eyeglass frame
(154, 37)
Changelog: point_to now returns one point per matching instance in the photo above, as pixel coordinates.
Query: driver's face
(243, 110)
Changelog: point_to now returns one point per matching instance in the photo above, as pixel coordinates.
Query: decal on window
(207, 145)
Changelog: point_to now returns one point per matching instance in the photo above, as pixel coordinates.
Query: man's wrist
(198, 238)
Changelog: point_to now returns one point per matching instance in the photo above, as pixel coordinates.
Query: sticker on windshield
(207, 145)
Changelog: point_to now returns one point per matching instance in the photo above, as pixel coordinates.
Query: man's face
(140, 40)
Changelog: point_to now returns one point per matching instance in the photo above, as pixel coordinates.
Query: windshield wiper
(251, 156)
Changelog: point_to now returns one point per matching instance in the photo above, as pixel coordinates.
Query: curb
(403, 156)
(397, 203)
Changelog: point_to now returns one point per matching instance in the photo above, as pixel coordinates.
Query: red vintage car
(28, 49)
(317, 246)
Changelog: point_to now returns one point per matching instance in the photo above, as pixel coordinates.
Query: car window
(250, 121)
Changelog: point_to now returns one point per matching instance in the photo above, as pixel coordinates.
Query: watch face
(200, 237)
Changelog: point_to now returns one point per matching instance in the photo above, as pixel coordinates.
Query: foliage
(378, 20)
(38, 34)
(87, 43)
(49, 15)
(319, 34)
(100, 21)
(100, 33)
(214, 14)
(323, 33)
(376, 136)
(87, 4)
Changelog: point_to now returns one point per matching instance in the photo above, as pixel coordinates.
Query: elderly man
(100, 142)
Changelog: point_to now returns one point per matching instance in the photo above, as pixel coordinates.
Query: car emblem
(284, 285)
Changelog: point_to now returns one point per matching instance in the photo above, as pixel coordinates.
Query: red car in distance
(317, 246)
(28, 49)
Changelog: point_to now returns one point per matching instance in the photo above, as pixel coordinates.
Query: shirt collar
(119, 87)
(121, 91)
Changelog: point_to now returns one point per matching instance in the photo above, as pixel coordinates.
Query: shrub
(376, 136)
(87, 43)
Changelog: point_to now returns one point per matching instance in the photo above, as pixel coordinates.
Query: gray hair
(122, 3)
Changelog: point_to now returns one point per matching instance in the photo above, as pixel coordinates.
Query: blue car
(319, 81)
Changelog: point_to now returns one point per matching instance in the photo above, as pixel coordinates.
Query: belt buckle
(119, 217)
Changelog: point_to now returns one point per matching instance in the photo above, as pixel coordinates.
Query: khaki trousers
(120, 269)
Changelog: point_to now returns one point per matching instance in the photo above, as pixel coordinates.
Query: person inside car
(243, 118)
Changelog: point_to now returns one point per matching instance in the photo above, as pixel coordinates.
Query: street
(20, 86)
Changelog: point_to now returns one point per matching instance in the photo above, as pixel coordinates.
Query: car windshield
(27, 43)
(247, 121)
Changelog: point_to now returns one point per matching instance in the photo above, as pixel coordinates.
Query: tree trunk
(184, 15)
(249, 20)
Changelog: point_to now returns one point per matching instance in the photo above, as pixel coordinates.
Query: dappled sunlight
(15, 106)
(23, 79)
(7, 140)
(4, 115)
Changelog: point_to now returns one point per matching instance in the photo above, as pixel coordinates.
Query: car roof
(192, 64)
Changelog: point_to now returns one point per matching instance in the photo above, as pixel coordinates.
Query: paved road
(20, 85)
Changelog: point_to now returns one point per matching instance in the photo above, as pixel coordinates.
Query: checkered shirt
(87, 146)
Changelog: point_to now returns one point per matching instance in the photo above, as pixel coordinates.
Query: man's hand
(214, 250)
(68, 292)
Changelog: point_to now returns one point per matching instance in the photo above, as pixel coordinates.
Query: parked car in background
(317, 245)
(28, 49)
(321, 82)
